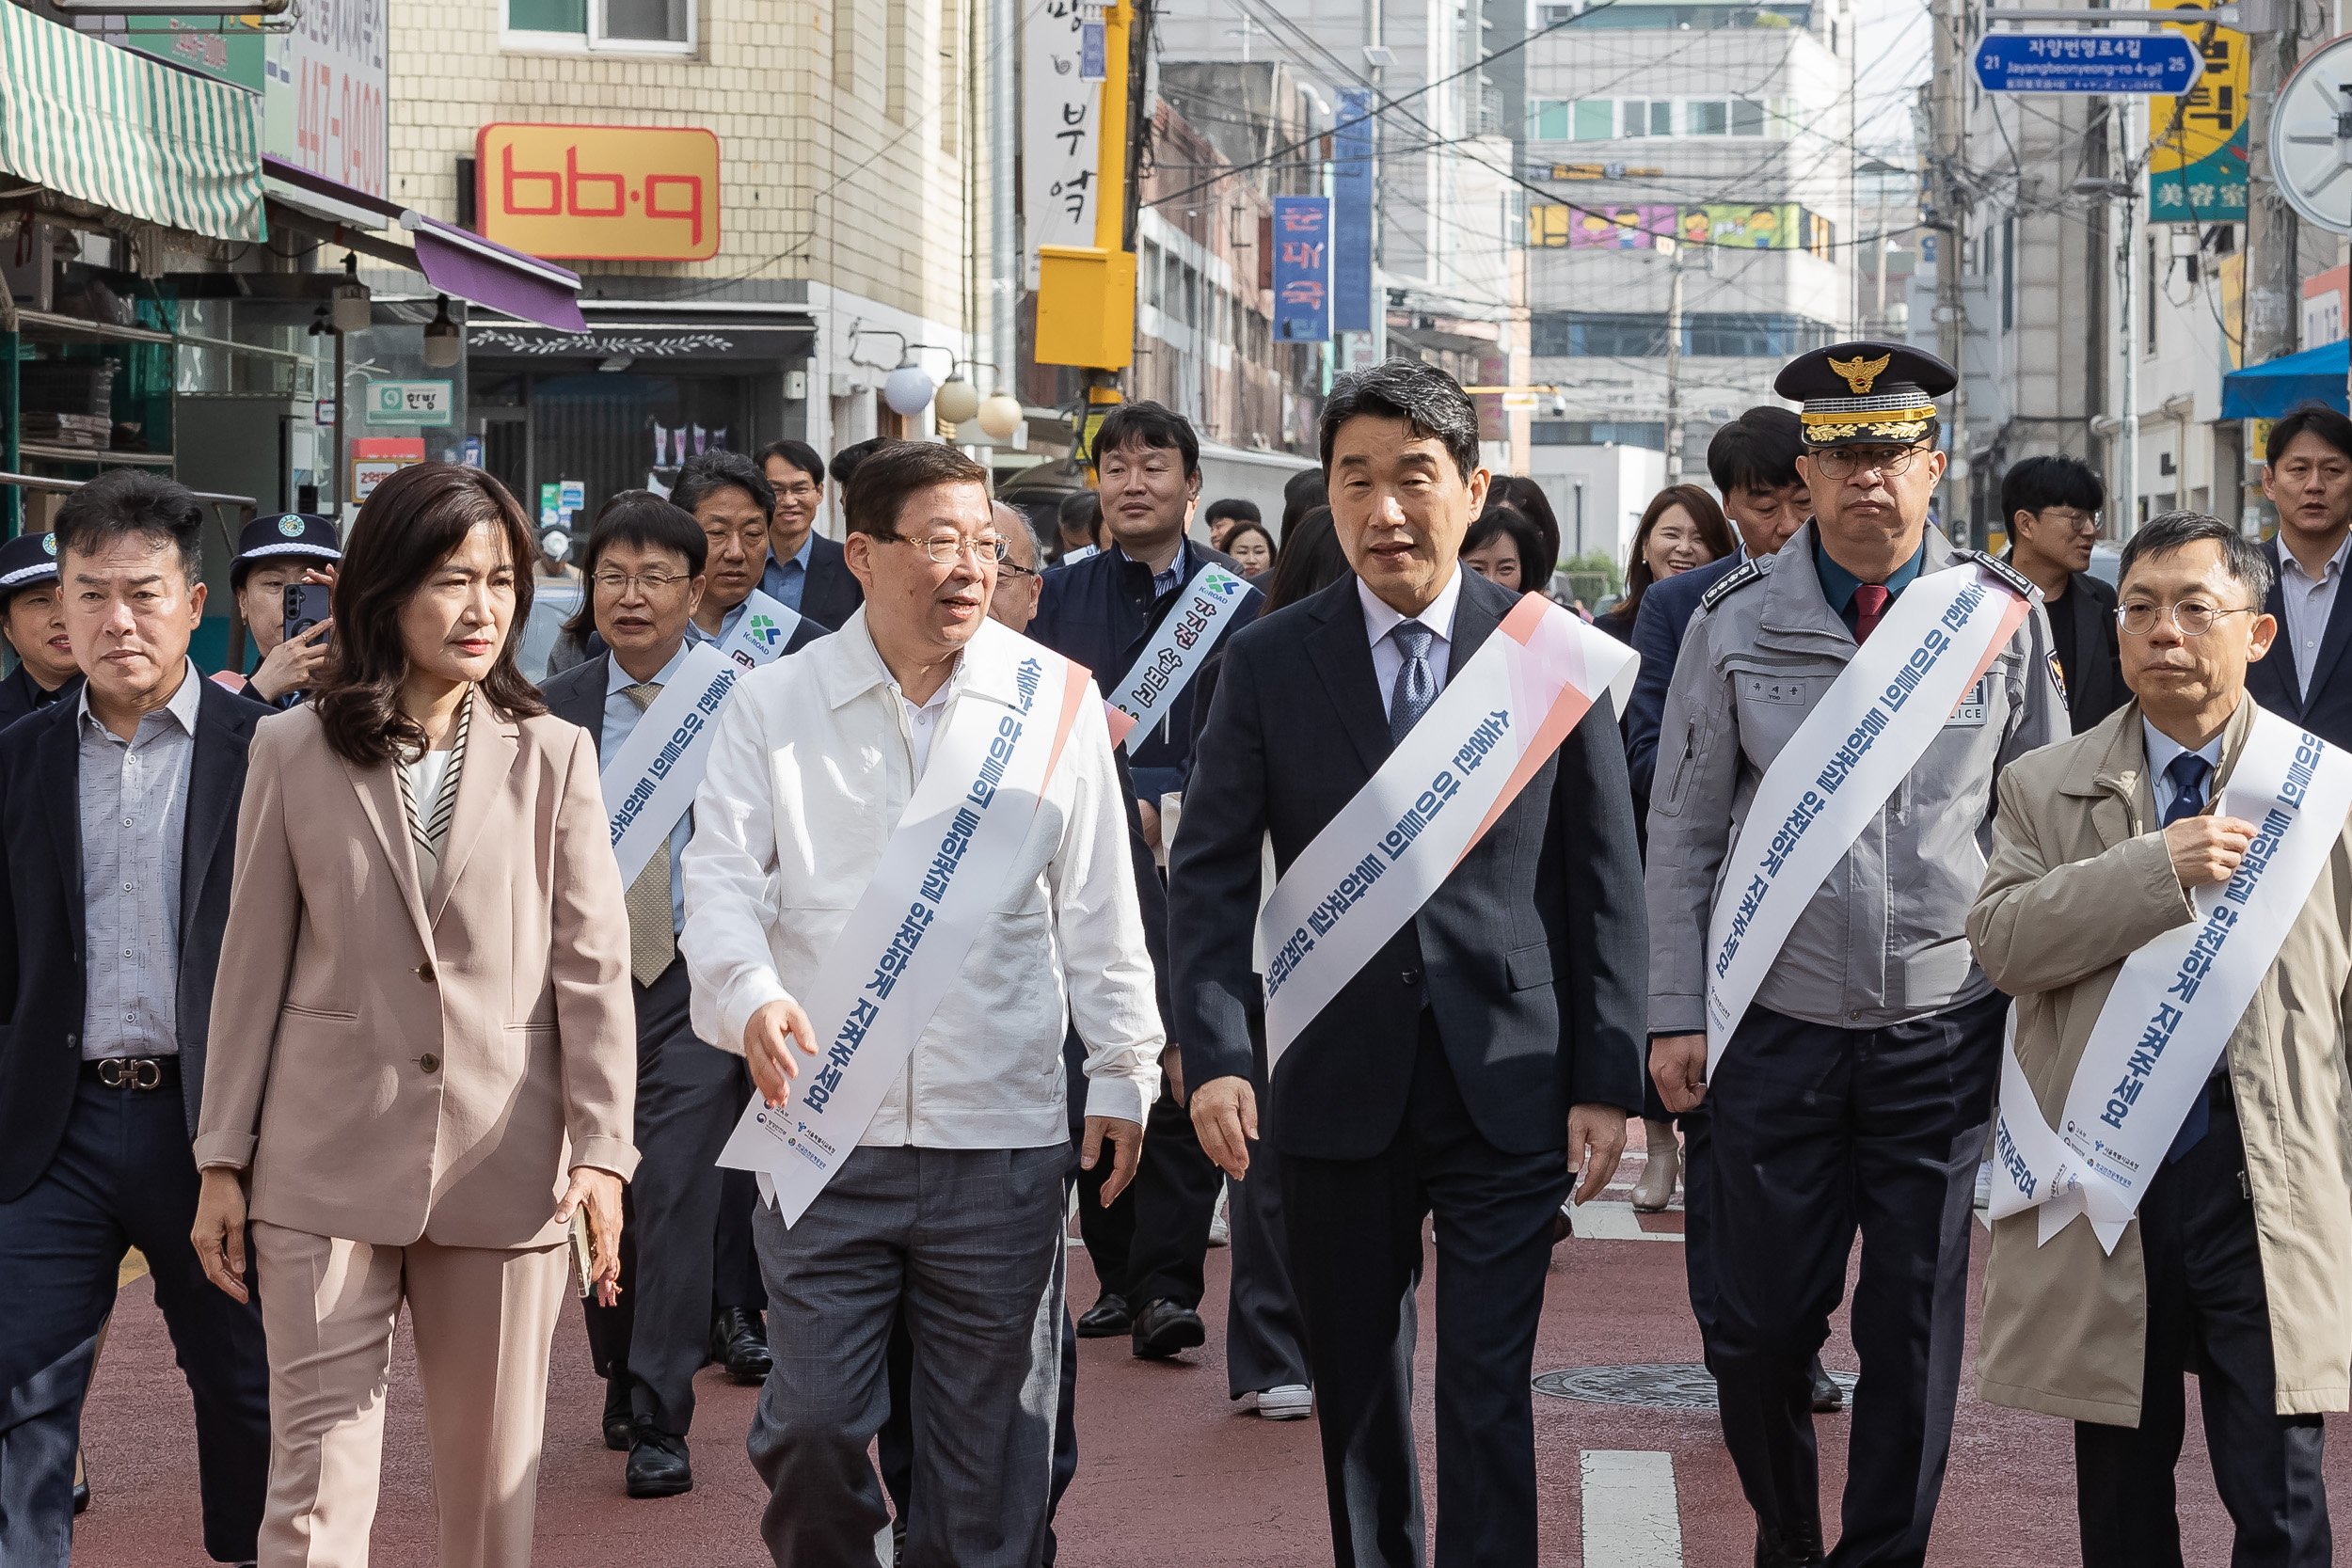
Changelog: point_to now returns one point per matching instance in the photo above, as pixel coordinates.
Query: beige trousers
(483, 1318)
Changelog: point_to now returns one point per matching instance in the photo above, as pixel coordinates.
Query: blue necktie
(2188, 773)
(1416, 683)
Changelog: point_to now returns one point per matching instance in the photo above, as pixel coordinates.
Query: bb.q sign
(606, 192)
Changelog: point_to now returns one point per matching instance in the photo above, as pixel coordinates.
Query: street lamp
(444, 345)
(349, 298)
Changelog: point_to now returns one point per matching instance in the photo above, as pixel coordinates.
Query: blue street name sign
(2164, 63)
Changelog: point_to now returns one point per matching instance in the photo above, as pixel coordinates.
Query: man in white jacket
(950, 1205)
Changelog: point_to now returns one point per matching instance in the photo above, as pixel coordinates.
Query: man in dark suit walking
(1752, 461)
(644, 570)
(805, 571)
(2309, 478)
(1487, 1050)
(1149, 1247)
(32, 617)
(2052, 504)
(118, 836)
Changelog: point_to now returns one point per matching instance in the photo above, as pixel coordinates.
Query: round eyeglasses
(2190, 617)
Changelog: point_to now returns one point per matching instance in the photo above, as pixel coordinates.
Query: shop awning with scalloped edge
(112, 127)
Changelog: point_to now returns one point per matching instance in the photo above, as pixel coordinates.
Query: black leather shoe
(619, 1422)
(1164, 1328)
(657, 1462)
(81, 1484)
(1107, 1319)
(1829, 1399)
(738, 1342)
(1800, 1547)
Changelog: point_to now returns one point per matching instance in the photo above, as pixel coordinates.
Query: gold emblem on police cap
(1860, 373)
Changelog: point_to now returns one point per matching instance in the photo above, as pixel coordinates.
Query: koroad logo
(764, 627)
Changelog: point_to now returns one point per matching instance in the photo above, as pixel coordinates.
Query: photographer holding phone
(273, 555)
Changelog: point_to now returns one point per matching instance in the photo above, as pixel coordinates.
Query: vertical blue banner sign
(1303, 269)
(1351, 214)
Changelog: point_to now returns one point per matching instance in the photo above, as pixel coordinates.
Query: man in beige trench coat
(2239, 1262)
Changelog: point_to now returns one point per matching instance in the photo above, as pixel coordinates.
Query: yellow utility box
(1086, 307)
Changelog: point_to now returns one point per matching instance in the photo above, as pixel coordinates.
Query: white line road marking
(1602, 1221)
(1630, 1517)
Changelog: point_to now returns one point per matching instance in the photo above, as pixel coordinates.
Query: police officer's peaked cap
(28, 561)
(1865, 393)
(306, 535)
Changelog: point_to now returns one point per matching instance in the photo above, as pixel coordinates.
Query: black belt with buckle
(133, 1072)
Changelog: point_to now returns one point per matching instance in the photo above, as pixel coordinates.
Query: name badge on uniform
(1971, 712)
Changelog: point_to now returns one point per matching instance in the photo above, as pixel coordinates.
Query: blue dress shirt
(783, 580)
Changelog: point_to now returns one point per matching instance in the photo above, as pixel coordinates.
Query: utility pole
(1674, 363)
(2271, 284)
(1949, 225)
(2128, 247)
(1004, 140)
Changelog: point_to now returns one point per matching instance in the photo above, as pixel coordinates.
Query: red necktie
(1870, 607)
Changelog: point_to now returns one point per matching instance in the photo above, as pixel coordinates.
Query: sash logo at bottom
(806, 1144)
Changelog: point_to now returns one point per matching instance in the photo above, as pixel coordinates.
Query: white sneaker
(1221, 1231)
(1293, 1402)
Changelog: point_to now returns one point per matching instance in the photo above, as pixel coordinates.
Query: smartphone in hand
(306, 605)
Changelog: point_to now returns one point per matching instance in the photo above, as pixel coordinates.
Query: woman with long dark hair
(1505, 547)
(1681, 528)
(427, 1063)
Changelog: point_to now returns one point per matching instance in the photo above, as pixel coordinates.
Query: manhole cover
(1655, 1387)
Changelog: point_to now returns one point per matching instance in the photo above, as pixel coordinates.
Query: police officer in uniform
(1854, 1093)
(33, 619)
(274, 554)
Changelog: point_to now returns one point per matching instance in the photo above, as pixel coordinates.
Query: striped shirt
(428, 789)
(134, 812)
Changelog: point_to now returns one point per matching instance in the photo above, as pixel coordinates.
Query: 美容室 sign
(599, 193)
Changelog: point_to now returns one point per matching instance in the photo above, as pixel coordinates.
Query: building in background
(1712, 141)
(766, 219)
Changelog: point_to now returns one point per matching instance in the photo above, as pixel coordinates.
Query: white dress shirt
(2162, 750)
(810, 772)
(2308, 602)
(1387, 657)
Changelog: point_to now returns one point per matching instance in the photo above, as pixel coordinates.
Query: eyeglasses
(1846, 462)
(2065, 516)
(2190, 617)
(1006, 563)
(652, 582)
(799, 492)
(945, 547)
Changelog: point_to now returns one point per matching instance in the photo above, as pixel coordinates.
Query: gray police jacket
(1884, 939)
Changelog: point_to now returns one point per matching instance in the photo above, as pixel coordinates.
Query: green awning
(128, 133)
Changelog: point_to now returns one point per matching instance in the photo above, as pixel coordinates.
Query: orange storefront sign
(601, 193)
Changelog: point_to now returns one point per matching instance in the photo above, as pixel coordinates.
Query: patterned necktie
(2188, 773)
(1416, 683)
(1869, 608)
(652, 937)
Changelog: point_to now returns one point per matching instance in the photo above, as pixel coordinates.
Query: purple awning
(454, 260)
(460, 262)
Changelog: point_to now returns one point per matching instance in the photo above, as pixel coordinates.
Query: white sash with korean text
(761, 631)
(1864, 736)
(2176, 1002)
(650, 782)
(1202, 614)
(942, 870)
(1373, 865)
